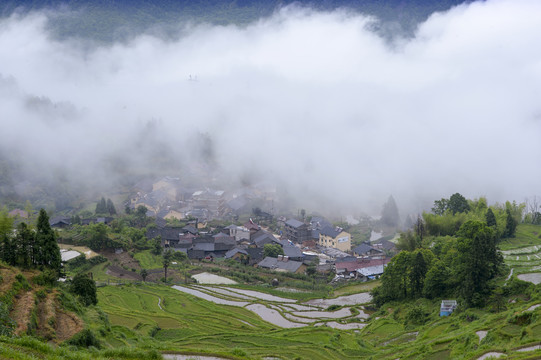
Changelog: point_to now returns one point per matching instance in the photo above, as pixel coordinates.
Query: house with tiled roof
(365, 249)
(335, 237)
(282, 263)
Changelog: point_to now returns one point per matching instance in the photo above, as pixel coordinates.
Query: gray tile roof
(362, 249)
(234, 251)
(275, 264)
(294, 223)
(329, 231)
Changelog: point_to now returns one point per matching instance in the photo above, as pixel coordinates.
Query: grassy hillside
(140, 321)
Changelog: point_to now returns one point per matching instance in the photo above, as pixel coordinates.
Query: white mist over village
(270, 179)
(315, 102)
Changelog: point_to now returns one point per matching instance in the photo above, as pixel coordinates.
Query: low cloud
(315, 101)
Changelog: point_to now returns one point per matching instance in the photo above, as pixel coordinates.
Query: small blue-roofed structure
(447, 307)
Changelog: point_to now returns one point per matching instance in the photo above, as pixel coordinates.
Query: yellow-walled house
(335, 238)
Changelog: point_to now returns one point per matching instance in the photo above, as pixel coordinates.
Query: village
(208, 224)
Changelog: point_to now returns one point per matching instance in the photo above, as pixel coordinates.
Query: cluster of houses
(303, 244)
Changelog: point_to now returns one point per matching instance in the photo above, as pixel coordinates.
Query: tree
(510, 225)
(101, 207)
(458, 204)
(141, 216)
(395, 280)
(418, 274)
(420, 230)
(144, 274)
(437, 280)
(389, 214)
(110, 207)
(96, 236)
(25, 244)
(440, 206)
(157, 247)
(490, 218)
(85, 288)
(48, 253)
(479, 263)
(408, 241)
(272, 250)
(166, 261)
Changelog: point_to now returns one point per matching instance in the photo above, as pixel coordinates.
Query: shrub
(46, 278)
(85, 338)
(41, 294)
(416, 315)
(238, 352)
(21, 283)
(152, 332)
(6, 323)
(97, 260)
(85, 288)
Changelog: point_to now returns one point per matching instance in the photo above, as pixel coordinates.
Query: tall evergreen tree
(111, 207)
(490, 218)
(8, 250)
(25, 245)
(48, 254)
(510, 225)
(101, 207)
(418, 274)
(389, 214)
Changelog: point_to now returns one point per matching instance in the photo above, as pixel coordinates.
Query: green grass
(357, 288)
(526, 235)
(147, 260)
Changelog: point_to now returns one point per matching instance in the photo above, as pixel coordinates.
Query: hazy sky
(314, 100)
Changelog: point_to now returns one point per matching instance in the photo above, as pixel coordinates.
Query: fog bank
(313, 101)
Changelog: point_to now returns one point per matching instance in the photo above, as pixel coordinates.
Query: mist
(316, 102)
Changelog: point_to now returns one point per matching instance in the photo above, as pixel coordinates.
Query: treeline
(29, 247)
(126, 232)
(451, 251)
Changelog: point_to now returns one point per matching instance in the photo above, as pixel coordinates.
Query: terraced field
(233, 322)
(230, 321)
(523, 253)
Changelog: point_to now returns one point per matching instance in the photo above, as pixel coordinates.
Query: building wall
(341, 242)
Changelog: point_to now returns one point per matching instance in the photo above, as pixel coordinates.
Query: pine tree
(510, 225)
(111, 207)
(48, 252)
(101, 207)
(389, 214)
(490, 218)
(25, 241)
(418, 274)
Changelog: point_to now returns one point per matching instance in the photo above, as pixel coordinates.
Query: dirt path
(67, 325)
(22, 311)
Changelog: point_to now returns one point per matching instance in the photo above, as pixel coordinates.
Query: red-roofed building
(350, 267)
